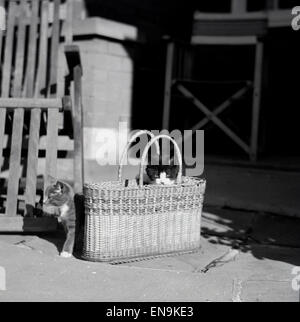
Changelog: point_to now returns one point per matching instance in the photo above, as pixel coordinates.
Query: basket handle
(155, 140)
(132, 139)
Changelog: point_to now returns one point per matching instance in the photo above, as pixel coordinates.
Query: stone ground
(245, 256)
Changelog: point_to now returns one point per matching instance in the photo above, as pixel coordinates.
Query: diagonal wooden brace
(218, 110)
(212, 117)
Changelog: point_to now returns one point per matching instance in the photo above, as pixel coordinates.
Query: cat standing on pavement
(61, 196)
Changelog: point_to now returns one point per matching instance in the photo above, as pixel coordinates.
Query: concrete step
(253, 189)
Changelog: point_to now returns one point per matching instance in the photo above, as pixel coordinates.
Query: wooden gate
(32, 106)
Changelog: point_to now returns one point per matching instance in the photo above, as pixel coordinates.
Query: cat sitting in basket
(162, 171)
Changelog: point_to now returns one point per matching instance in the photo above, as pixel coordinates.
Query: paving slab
(265, 274)
(268, 291)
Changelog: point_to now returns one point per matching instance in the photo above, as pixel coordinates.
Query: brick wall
(107, 85)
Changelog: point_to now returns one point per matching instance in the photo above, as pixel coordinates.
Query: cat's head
(57, 193)
(162, 172)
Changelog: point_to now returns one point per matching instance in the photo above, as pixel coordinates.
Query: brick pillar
(107, 86)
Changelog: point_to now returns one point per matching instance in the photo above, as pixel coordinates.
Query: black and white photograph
(149, 153)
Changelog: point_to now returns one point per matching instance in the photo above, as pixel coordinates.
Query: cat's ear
(60, 184)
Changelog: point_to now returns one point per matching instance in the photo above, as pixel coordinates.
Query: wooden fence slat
(40, 83)
(31, 60)
(30, 103)
(35, 117)
(2, 6)
(6, 70)
(15, 166)
(40, 80)
(8, 49)
(33, 150)
(52, 125)
(54, 50)
(20, 54)
(51, 146)
(69, 22)
(61, 73)
(18, 121)
(78, 129)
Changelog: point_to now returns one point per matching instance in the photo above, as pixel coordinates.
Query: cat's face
(165, 174)
(57, 194)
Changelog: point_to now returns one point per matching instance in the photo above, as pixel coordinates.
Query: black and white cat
(60, 195)
(161, 172)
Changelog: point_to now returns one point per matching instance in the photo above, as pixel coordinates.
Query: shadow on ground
(265, 236)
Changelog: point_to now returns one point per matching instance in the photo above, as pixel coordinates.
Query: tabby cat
(60, 195)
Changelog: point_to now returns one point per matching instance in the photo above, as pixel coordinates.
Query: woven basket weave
(136, 220)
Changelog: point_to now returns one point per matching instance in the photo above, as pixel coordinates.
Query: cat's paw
(66, 255)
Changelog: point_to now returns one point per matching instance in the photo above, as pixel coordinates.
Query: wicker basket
(137, 221)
